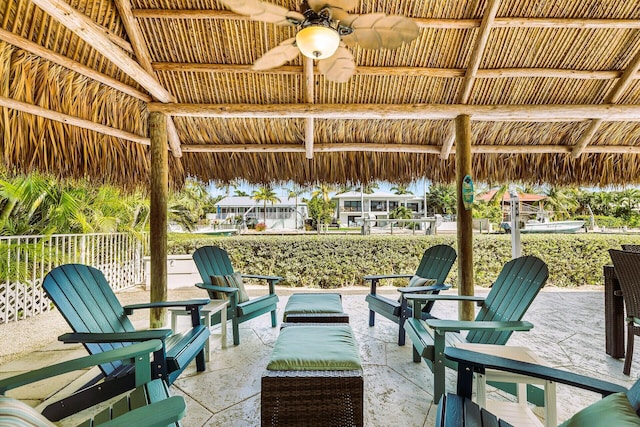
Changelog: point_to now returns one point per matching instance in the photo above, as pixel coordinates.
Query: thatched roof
(551, 88)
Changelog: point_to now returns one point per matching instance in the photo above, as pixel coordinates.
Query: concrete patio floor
(568, 333)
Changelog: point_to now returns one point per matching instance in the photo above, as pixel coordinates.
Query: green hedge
(334, 261)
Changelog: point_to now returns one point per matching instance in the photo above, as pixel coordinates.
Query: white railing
(25, 260)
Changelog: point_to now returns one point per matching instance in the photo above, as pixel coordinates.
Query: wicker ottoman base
(312, 398)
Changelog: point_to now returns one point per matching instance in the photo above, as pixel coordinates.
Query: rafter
(91, 32)
(474, 63)
(71, 120)
(72, 65)
(309, 95)
(504, 22)
(141, 51)
(489, 73)
(611, 98)
(401, 148)
(490, 113)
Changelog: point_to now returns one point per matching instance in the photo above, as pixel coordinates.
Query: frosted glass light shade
(317, 42)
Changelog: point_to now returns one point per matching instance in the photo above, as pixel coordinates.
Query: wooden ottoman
(314, 378)
(315, 308)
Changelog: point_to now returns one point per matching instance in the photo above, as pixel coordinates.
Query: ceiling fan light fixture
(318, 41)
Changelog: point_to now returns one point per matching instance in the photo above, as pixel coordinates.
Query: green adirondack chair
(501, 312)
(618, 407)
(86, 301)
(214, 261)
(434, 266)
(149, 404)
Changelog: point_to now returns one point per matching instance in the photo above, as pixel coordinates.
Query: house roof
(375, 195)
(551, 88)
(244, 201)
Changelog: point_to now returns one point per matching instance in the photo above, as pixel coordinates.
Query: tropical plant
(442, 199)
(401, 189)
(190, 204)
(266, 195)
(321, 210)
(368, 188)
(240, 193)
(562, 201)
(295, 192)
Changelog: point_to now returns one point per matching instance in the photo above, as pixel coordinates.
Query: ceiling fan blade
(259, 11)
(284, 52)
(317, 5)
(378, 30)
(338, 68)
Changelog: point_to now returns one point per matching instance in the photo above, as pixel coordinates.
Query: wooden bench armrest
(135, 353)
(471, 325)
(482, 361)
(107, 337)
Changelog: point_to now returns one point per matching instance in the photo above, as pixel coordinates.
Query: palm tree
(265, 194)
(401, 189)
(240, 193)
(323, 190)
(562, 201)
(295, 192)
(368, 188)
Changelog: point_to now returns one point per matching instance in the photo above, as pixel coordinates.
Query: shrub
(261, 226)
(333, 261)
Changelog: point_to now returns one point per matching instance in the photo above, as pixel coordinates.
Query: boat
(546, 226)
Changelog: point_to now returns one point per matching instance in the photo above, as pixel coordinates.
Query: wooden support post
(465, 221)
(158, 222)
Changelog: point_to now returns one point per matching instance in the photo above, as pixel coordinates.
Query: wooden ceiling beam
(493, 73)
(401, 148)
(474, 63)
(70, 64)
(91, 33)
(141, 51)
(504, 22)
(310, 99)
(71, 120)
(612, 97)
(490, 113)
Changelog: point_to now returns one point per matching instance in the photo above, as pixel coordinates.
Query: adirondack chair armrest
(188, 304)
(136, 353)
(165, 412)
(422, 297)
(440, 325)
(481, 361)
(418, 289)
(376, 278)
(106, 337)
(226, 289)
(274, 279)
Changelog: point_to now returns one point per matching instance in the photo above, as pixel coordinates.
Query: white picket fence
(25, 260)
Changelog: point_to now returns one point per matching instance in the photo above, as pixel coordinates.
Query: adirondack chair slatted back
(87, 302)
(511, 295)
(212, 261)
(436, 263)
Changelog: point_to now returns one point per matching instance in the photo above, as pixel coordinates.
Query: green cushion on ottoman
(315, 348)
(313, 303)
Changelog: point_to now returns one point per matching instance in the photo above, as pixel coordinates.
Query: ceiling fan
(325, 28)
